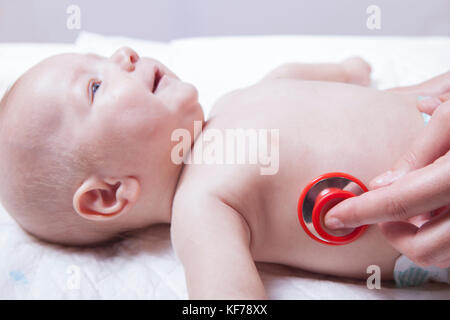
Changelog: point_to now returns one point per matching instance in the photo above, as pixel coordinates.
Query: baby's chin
(193, 106)
(191, 102)
(181, 97)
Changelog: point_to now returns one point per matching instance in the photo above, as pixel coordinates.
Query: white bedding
(144, 266)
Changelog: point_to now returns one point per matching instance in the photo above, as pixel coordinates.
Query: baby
(93, 147)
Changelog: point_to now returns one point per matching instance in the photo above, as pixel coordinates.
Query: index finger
(419, 191)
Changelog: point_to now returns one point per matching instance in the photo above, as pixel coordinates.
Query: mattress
(144, 266)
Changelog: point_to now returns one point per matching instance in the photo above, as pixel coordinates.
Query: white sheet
(144, 266)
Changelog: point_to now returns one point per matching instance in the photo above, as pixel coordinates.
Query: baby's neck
(180, 172)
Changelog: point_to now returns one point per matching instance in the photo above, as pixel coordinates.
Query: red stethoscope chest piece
(319, 196)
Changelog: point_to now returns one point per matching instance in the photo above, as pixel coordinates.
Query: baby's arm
(353, 70)
(212, 241)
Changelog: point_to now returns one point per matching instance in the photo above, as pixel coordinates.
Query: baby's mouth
(157, 79)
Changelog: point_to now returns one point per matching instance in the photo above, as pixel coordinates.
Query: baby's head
(85, 145)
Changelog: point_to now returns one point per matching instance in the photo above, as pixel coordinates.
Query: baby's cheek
(136, 120)
(144, 135)
(126, 112)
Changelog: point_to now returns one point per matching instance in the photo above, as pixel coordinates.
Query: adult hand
(417, 188)
(432, 92)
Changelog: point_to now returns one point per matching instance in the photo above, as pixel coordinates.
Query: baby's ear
(102, 199)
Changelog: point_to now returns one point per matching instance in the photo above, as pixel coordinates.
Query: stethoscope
(318, 197)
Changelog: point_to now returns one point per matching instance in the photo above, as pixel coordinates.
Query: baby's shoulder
(226, 101)
(220, 182)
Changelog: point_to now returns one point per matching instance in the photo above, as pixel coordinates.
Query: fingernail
(334, 223)
(388, 177)
(420, 98)
(384, 178)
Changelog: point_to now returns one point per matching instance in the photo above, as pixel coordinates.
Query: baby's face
(121, 102)
(120, 110)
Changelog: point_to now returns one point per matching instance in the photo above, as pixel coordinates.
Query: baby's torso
(311, 128)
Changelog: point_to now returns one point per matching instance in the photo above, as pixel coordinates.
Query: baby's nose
(126, 58)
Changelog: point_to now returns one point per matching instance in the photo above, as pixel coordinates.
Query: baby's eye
(95, 85)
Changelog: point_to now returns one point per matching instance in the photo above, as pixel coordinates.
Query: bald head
(79, 134)
(39, 168)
